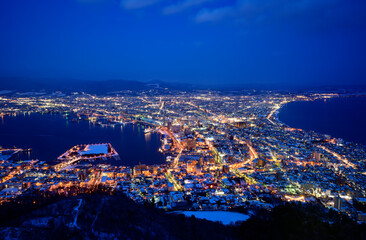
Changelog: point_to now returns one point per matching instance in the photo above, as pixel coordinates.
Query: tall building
(240, 124)
(225, 169)
(337, 202)
(176, 128)
(278, 176)
(198, 169)
(189, 143)
(317, 156)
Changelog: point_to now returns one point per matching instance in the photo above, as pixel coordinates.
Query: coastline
(94, 136)
(343, 96)
(277, 112)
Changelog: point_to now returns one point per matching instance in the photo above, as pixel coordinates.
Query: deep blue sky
(196, 41)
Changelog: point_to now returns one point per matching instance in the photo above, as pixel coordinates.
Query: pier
(87, 152)
(6, 154)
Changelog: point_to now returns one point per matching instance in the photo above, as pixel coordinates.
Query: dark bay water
(51, 135)
(339, 117)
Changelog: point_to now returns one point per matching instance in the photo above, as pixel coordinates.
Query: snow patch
(218, 216)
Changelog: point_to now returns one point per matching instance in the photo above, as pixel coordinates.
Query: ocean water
(343, 117)
(51, 135)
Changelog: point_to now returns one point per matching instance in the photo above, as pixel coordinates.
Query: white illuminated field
(96, 149)
(218, 216)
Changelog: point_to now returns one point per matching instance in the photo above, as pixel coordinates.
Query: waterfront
(339, 117)
(225, 152)
(51, 135)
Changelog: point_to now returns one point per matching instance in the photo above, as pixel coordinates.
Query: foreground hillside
(107, 217)
(116, 217)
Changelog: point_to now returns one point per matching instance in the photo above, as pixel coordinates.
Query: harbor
(6, 154)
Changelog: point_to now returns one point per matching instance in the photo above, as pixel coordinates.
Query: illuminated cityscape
(182, 119)
(222, 152)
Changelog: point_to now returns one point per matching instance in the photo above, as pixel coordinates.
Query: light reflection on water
(51, 135)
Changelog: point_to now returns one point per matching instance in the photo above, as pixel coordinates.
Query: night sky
(305, 42)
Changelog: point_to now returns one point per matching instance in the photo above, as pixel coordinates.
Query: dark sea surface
(343, 117)
(51, 135)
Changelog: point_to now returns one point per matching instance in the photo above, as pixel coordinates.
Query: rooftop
(95, 149)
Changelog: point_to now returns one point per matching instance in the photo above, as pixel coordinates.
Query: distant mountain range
(75, 85)
(118, 85)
